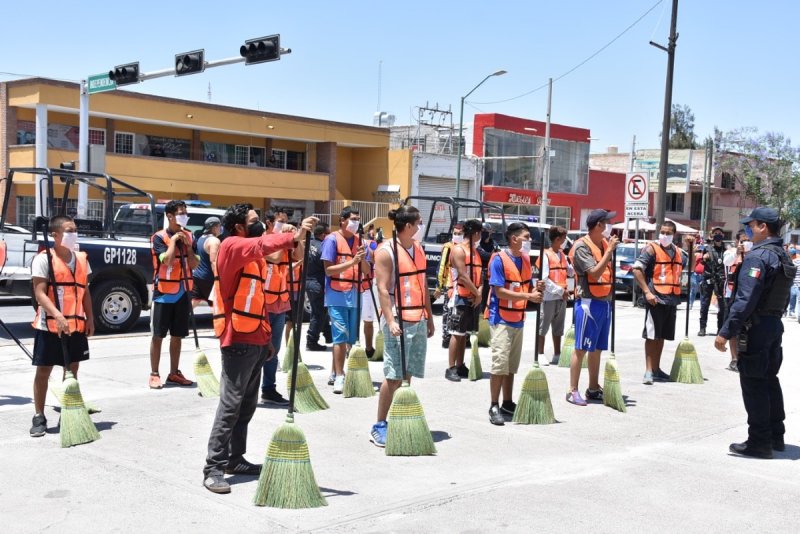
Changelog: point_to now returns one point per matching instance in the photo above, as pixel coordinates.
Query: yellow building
(177, 149)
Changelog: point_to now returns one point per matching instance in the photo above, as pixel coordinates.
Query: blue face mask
(748, 232)
(792, 251)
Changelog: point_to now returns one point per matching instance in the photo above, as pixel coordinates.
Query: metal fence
(367, 210)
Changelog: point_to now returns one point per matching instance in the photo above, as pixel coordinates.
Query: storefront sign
(520, 198)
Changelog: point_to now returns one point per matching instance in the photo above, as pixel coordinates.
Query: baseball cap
(211, 222)
(599, 215)
(767, 215)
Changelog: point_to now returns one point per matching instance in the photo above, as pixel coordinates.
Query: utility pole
(661, 200)
(704, 196)
(546, 173)
(83, 149)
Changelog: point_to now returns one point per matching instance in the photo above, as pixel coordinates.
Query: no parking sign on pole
(637, 199)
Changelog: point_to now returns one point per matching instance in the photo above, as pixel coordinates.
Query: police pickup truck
(118, 246)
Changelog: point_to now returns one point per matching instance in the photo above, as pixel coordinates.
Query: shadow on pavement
(792, 452)
(14, 400)
(102, 426)
(440, 435)
(328, 492)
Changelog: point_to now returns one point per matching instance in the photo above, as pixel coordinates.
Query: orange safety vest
(247, 306)
(473, 264)
(294, 282)
(513, 311)
(667, 271)
(412, 282)
(732, 273)
(71, 288)
(557, 267)
(367, 277)
(601, 286)
(168, 279)
(345, 280)
(276, 286)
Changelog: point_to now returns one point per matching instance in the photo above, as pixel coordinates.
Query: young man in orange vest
(592, 262)
(465, 276)
(368, 314)
(73, 319)
(557, 271)
(511, 290)
(658, 271)
(444, 283)
(241, 324)
(416, 309)
(173, 250)
(342, 253)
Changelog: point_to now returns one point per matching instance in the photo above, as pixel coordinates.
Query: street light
(461, 130)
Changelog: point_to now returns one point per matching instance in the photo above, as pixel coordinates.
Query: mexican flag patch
(754, 272)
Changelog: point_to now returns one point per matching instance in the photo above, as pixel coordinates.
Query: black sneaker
(445, 343)
(243, 468)
(702, 332)
(733, 366)
(508, 407)
(495, 417)
(748, 449)
(272, 396)
(216, 484)
(778, 444)
(451, 373)
(661, 376)
(463, 371)
(39, 426)
(594, 394)
(315, 347)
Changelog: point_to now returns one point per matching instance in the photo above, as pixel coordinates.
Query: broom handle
(16, 340)
(292, 316)
(613, 297)
(185, 284)
(689, 284)
(358, 295)
(297, 318)
(398, 299)
(540, 270)
(45, 222)
(300, 304)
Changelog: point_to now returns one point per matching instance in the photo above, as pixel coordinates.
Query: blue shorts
(343, 324)
(416, 345)
(592, 324)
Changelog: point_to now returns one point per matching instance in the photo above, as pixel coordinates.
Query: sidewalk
(662, 466)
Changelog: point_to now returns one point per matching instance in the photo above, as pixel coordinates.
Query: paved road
(662, 466)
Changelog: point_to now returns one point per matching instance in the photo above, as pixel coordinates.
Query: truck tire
(116, 306)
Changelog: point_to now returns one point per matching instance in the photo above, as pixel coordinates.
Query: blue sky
(736, 61)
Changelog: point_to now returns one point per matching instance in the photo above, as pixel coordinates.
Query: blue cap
(599, 215)
(762, 214)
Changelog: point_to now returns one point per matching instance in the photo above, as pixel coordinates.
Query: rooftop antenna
(380, 65)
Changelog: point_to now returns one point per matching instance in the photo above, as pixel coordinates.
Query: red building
(512, 150)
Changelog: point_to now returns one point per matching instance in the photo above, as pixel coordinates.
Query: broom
(408, 433)
(207, 383)
(288, 353)
(612, 393)
(76, 427)
(475, 368)
(357, 381)
(377, 356)
(287, 478)
(685, 366)
(534, 406)
(568, 345)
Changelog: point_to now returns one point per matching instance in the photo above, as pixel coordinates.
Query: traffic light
(190, 62)
(125, 74)
(262, 49)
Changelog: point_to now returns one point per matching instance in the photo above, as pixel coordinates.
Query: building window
(295, 161)
(97, 136)
(696, 208)
(559, 216)
(728, 181)
(123, 143)
(278, 159)
(675, 202)
(242, 155)
(26, 211)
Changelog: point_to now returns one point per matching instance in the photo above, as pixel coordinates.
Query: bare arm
(383, 278)
(87, 309)
(212, 248)
(40, 292)
(596, 271)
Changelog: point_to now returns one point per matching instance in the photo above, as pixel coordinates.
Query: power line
(582, 63)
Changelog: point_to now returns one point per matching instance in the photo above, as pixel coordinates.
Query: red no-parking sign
(637, 201)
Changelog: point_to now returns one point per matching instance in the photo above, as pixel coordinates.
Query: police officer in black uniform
(315, 290)
(761, 293)
(713, 280)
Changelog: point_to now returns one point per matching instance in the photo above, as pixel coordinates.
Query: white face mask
(526, 247)
(607, 231)
(665, 240)
(747, 245)
(458, 239)
(277, 227)
(69, 240)
(420, 233)
(182, 220)
(352, 226)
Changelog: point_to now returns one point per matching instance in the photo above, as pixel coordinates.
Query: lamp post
(461, 130)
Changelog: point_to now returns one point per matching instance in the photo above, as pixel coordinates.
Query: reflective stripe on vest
(473, 265)
(247, 308)
(556, 266)
(412, 282)
(513, 311)
(70, 289)
(601, 286)
(276, 286)
(667, 271)
(167, 278)
(345, 280)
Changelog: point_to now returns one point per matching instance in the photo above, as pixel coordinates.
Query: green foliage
(681, 128)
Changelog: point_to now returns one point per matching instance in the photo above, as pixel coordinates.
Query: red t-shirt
(234, 253)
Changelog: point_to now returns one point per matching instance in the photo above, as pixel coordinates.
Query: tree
(681, 128)
(766, 166)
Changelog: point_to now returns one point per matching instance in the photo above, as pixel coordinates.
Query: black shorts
(201, 289)
(659, 322)
(462, 320)
(47, 349)
(172, 318)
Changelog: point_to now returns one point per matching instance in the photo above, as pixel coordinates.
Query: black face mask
(256, 229)
(717, 238)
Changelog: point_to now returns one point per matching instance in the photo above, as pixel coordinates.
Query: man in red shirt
(240, 321)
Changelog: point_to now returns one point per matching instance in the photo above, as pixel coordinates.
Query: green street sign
(99, 83)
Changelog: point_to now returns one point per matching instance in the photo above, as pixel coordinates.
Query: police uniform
(761, 292)
(713, 284)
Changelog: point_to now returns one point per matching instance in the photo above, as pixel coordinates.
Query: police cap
(761, 214)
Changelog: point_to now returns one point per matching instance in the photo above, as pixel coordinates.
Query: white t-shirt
(40, 268)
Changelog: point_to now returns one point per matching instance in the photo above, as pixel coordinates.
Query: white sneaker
(338, 384)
